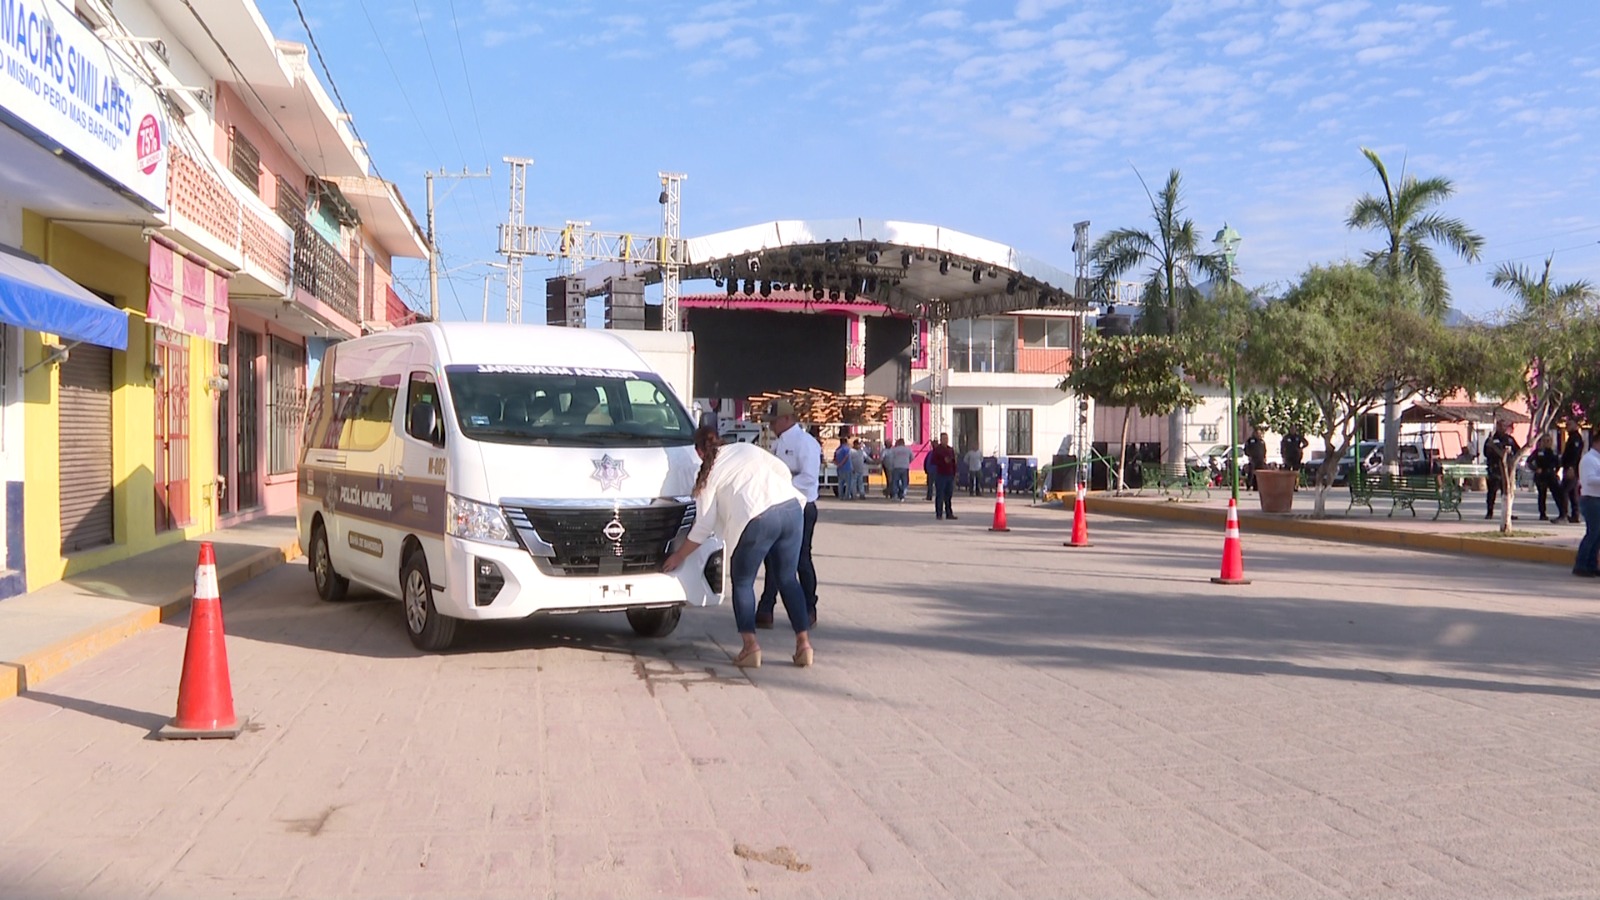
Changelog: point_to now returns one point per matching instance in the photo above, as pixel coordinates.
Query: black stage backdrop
(741, 352)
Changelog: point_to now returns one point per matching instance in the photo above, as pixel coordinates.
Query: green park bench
(1182, 479)
(1403, 491)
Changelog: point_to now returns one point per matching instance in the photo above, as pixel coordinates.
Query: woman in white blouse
(747, 496)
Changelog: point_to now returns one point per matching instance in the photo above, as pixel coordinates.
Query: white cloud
(1281, 146)
(944, 18)
(693, 34)
(1243, 46)
(1478, 77)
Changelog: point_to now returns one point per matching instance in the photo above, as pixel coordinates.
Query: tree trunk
(1122, 453)
(1391, 429)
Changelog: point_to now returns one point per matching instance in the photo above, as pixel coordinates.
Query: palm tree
(1408, 262)
(1173, 253)
(1556, 321)
(1402, 215)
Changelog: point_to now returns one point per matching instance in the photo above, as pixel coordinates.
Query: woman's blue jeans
(774, 538)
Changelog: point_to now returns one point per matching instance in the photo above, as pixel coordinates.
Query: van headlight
(474, 521)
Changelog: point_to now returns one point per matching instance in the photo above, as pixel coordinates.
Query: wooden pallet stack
(814, 406)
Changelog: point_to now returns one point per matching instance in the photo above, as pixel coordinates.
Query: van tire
(654, 623)
(428, 629)
(331, 586)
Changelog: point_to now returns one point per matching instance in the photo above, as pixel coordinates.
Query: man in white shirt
(974, 463)
(803, 455)
(897, 463)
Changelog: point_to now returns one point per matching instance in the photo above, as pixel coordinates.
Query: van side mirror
(424, 423)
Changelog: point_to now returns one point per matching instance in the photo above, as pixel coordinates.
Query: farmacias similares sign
(64, 82)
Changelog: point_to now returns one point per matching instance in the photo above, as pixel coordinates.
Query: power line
(328, 73)
(444, 101)
(400, 83)
(472, 99)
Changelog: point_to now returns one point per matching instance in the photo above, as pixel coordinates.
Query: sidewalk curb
(31, 669)
(1265, 523)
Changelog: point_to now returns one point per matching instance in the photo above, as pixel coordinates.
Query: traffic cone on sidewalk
(1000, 505)
(1080, 524)
(1232, 551)
(205, 696)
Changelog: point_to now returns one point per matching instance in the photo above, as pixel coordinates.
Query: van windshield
(566, 405)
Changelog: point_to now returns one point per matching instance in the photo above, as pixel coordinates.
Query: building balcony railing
(265, 239)
(1044, 360)
(322, 271)
(233, 225)
(194, 194)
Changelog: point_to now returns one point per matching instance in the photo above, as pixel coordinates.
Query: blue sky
(1009, 121)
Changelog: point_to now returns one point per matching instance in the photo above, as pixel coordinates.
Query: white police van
(497, 471)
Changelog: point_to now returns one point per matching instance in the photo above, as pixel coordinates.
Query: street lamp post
(1227, 241)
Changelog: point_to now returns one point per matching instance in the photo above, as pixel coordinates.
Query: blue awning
(35, 296)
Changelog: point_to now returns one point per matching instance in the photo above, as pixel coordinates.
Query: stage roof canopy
(921, 270)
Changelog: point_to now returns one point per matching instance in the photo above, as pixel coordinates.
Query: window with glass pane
(1019, 432)
(960, 331)
(1033, 332)
(1004, 341)
(1058, 333)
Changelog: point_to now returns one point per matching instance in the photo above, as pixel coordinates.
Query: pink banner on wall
(186, 295)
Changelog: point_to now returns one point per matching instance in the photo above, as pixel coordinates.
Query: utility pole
(433, 242)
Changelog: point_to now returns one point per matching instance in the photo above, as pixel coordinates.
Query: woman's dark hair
(707, 442)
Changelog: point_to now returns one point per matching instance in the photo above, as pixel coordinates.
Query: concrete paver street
(990, 715)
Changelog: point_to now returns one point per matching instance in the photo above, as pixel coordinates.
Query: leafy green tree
(1170, 256)
(1139, 371)
(1336, 340)
(1543, 355)
(1407, 264)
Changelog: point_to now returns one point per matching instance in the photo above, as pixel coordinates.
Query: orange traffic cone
(1000, 505)
(205, 696)
(1232, 551)
(1080, 524)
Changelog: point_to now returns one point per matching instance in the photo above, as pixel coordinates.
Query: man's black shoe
(950, 517)
(763, 623)
(1586, 573)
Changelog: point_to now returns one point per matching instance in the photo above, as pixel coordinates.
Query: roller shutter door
(85, 408)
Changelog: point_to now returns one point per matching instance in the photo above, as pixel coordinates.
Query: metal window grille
(244, 160)
(291, 206)
(286, 404)
(1019, 432)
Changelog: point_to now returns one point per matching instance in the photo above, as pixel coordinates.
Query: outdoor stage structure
(888, 292)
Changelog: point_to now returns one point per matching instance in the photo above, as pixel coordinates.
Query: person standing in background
(802, 455)
(858, 471)
(841, 466)
(944, 474)
(897, 463)
(974, 464)
(1571, 456)
(1499, 449)
(1546, 466)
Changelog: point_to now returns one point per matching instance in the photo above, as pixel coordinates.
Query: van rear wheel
(331, 586)
(654, 622)
(427, 628)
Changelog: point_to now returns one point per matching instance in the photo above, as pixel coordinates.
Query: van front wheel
(428, 629)
(654, 622)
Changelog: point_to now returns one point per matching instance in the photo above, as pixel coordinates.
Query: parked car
(1413, 461)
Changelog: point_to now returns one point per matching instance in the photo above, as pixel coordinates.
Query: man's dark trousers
(807, 572)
